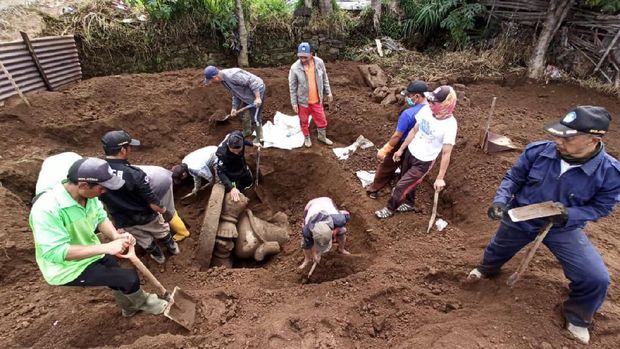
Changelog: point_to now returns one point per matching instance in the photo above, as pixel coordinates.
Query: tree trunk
(242, 59)
(557, 11)
(326, 7)
(376, 16)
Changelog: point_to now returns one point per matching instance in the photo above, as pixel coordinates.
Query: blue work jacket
(589, 191)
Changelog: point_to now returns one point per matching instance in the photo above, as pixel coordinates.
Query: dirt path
(402, 289)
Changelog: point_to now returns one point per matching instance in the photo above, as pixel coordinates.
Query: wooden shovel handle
(434, 214)
(147, 273)
(512, 280)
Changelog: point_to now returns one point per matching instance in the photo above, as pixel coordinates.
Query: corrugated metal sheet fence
(58, 59)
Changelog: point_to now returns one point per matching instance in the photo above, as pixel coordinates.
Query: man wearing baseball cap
(309, 86)
(417, 104)
(323, 222)
(68, 252)
(434, 133)
(134, 206)
(245, 88)
(231, 167)
(576, 173)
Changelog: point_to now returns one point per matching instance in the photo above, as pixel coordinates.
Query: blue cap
(210, 72)
(304, 49)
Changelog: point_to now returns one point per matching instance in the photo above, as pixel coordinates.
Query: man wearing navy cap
(135, 207)
(246, 88)
(575, 172)
(309, 85)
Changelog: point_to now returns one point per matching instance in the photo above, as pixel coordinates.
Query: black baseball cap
(117, 139)
(585, 119)
(439, 94)
(415, 86)
(96, 171)
(235, 140)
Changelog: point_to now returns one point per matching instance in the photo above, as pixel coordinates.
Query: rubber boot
(156, 253)
(323, 136)
(246, 122)
(259, 134)
(127, 307)
(307, 142)
(147, 302)
(179, 228)
(171, 245)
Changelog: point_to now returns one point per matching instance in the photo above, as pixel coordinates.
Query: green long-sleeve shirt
(58, 221)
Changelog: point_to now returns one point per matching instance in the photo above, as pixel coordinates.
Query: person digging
(198, 164)
(323, 224)
(583, 180)
(434, 133)
(134, 207)
(160, 181)
(231, 167)
(414, 96)
(245, 88)
(69, 253)
(308, 86)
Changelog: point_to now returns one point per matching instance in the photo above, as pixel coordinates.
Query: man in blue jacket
(583, 180)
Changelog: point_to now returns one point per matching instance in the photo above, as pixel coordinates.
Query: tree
(557, 11)
(326, 7)
(375, 5)
(242, 59)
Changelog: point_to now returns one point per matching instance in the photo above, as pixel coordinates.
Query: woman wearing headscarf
(434, 133)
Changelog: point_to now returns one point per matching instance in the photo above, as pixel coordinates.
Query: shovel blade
(181, 308)
(541, 210)
(494, 143)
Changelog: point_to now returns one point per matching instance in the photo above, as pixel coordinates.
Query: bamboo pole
(8, 76)
(613, 42)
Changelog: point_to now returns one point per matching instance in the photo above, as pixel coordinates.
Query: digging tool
(260, 193)
(224, 118)
(193, 193)
(512, 280)
(181, 306)
(434, 214)
(492, 142)
(540, 210)
(306, 279)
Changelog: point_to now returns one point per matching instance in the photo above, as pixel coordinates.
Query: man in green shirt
(63, 221)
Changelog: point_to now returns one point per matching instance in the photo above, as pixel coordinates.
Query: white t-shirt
(200, 161)
(54, 170)
(432, 135)
(317, 205)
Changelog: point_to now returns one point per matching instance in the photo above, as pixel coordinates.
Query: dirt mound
(401, 287)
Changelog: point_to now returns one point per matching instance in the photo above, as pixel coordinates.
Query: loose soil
(401, 288)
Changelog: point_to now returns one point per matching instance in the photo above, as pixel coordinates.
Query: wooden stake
(8, 76)
(36, 60)
(611, 45)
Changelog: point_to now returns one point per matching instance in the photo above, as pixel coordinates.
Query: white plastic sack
(366, 177)
(360, 142)
(283, 133)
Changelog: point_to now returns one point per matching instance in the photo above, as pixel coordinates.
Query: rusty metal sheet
(58, 57)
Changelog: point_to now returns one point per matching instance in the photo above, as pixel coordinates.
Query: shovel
(434, 214)
(224, 118)
(512, 280)
(492, 142)
(181, 306)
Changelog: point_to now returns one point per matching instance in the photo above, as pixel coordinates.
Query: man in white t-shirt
(434, 133)
(198, 164)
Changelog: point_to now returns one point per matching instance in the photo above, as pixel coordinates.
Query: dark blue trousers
(581, 263)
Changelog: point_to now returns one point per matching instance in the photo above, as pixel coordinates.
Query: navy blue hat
(585, 119)
(304, 49)
(210, 72)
